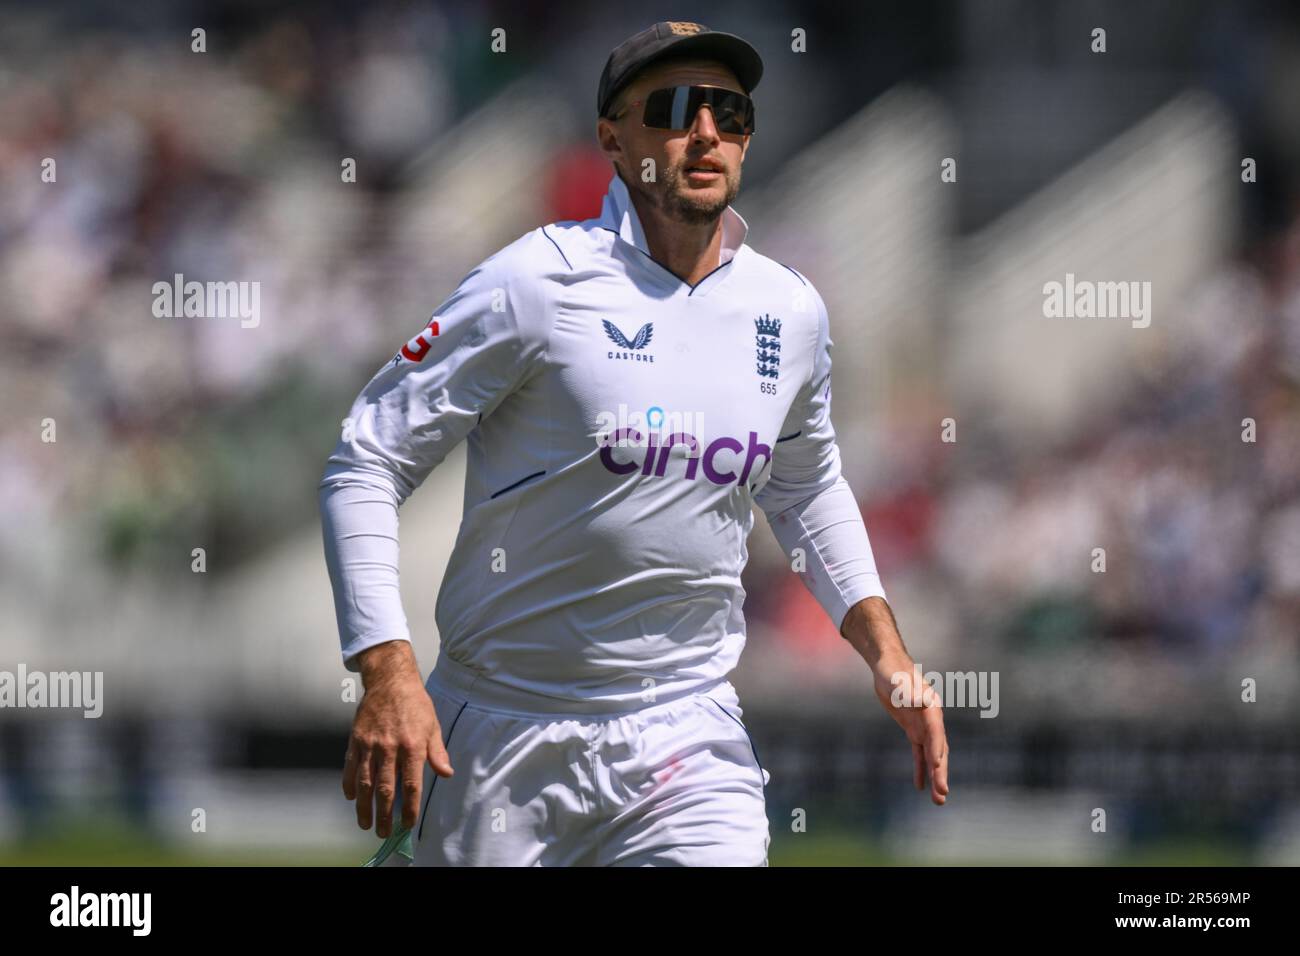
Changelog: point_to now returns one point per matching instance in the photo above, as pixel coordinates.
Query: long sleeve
(809, 504)
(473, 353)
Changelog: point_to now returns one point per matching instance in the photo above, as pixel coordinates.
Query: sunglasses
(674, 108)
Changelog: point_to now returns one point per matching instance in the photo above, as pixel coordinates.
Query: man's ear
(744, 147)
(607, 139)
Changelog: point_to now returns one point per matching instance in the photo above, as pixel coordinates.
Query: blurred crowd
(1170, 521)
(221, 164)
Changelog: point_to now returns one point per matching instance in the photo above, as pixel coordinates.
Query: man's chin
(699, 205)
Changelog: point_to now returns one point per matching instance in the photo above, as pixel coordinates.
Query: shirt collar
(618, 213)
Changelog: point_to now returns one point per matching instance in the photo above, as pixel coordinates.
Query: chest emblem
(631, 348)
(767, 343)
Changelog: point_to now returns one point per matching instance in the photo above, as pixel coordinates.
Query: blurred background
(223, 691)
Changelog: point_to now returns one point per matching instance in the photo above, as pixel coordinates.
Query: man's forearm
(871, 629)
(359, 525)
(385, 662)
(840, 569)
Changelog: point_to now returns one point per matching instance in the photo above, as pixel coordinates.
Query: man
(628, 386)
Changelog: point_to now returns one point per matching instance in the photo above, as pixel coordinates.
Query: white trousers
(674, 783)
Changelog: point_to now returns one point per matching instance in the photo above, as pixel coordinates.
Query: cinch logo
(655, 459)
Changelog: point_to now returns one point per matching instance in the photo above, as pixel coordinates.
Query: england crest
(768, 345)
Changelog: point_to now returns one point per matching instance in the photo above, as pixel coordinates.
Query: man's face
(697, 171)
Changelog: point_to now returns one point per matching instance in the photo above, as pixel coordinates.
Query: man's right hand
(394, 732)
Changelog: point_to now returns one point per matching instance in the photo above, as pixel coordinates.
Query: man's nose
(704, 127)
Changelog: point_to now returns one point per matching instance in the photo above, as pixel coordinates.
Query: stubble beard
(679, 202)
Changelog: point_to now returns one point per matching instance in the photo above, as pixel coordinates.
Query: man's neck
(689, 251)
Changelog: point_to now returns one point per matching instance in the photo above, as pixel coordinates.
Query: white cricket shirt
(620, 425)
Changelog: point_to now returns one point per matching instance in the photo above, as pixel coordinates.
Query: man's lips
(703, 171)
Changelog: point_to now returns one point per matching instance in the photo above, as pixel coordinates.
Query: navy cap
(675, 38)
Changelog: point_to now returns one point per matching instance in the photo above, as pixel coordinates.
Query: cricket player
(629, 387)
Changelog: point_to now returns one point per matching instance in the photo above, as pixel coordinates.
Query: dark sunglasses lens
(733, 112)
(676, 108)
(666, 109)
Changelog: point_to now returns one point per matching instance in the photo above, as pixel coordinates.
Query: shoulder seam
(796, 273)
(558, 249)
